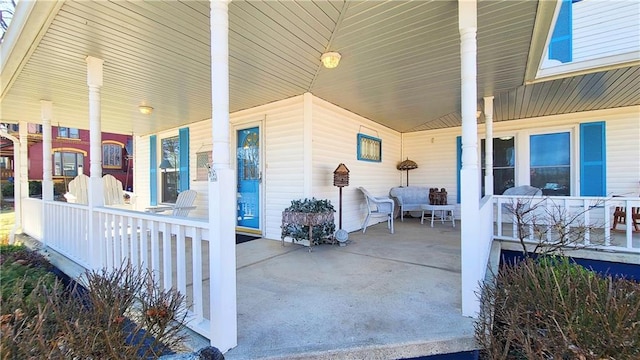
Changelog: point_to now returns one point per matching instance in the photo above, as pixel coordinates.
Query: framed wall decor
(369, 148)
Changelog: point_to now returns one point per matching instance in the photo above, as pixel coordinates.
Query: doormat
(240, 238)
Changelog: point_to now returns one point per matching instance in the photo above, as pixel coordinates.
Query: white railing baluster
(167, 268)
(181, 265)
(593, 213)
(196, 246)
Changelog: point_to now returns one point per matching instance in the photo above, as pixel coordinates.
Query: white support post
(488, 154)
(96, 198)
(222, 200)
(46, 110)
(469, 174)
(24, 160)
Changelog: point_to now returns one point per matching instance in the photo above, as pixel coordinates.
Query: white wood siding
(282, 179)
(199, 141)
(335, 133)
(435, 152)
(604, 28)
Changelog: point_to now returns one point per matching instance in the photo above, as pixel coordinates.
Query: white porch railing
(590, 217)
(176, 249)
(32, 208)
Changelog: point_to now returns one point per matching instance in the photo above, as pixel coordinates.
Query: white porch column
(488, 154)
(24, 160)
(469, 174)
(94, 81)
(46, 110)
(96, 197)
(222, 190)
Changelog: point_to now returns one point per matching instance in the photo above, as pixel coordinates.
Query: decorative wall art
(369, 148)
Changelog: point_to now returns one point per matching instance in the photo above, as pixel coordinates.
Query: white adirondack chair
(184, 203)
(114, 194)
(78, 190)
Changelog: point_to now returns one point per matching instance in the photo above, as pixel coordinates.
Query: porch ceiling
(400, 62)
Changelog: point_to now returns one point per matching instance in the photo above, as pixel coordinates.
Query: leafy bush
(552, 308)
(35, 188)
(118, 314)
(22, 269)
(297, 231)
(7, 190)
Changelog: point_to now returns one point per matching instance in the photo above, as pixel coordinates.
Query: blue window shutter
(153, 171)
(458, 164)
(561, 44)
(593, 169)
(183, 140)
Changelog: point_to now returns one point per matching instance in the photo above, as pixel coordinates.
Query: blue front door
(249, 178)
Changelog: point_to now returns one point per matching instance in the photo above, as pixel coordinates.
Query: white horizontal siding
(335, 141)
(604, 28)
(199, 141)
(282, 134)
(435, 153)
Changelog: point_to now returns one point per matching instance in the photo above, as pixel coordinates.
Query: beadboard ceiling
(400, 62)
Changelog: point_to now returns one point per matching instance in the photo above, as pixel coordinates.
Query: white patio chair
(184, 203)
(114, 194)
(378, 207)
(78, 190)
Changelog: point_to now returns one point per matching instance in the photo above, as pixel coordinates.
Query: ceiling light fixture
(330, 60)
(146, 110)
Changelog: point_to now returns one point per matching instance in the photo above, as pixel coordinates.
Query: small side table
(445, 211)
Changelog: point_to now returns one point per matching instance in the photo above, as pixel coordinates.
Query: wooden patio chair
(114, 195)
(78, 190)
(378, 207)
(620, 217)
(184, 203)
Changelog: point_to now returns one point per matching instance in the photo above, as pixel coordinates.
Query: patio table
(444, 211)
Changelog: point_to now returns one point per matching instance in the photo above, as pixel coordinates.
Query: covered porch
(239, 58)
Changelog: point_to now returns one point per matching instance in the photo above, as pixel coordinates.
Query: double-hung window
(67, 163)
(550, 163)
(170, 168)
(504, 163)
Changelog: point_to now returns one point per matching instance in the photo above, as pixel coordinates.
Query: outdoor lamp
(330, 60)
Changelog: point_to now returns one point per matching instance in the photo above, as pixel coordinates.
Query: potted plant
(308, 218)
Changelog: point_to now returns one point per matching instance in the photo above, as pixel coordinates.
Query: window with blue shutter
(561, 44)
(153, 172)
(593, 170)
(183, 139)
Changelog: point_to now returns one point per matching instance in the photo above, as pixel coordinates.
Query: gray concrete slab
(383, 296)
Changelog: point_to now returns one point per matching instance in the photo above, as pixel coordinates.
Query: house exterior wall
(81, 144)
(616, 31)
(335, 133)
(282, 143)
(435, 151)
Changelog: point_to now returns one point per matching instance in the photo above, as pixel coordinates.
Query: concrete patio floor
(383, 296)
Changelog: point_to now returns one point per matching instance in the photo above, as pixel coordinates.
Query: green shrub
(35, 188)
(24, 269)
(552, 308)
(7, 190)
(298, 231)
(59, 188)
